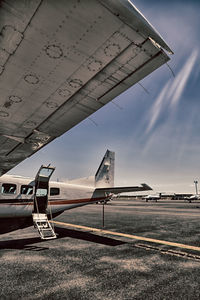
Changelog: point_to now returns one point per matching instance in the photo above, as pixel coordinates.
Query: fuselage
(152, 197)
(17, 194)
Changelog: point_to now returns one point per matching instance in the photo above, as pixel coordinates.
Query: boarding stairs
(43, 226)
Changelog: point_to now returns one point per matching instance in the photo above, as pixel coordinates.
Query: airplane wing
(60, 61)
(126, 189)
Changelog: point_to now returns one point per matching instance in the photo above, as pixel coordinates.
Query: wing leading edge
(55, 74)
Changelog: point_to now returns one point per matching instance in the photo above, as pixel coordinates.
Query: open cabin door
(41, 189)
(39, 214)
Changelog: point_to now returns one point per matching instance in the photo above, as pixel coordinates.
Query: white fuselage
(17, 193)
(152, 197)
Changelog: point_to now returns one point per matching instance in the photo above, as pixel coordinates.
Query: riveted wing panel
(55, 74)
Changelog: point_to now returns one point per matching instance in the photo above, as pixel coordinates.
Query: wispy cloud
(179, 84)
(157, 107)
(170, 95)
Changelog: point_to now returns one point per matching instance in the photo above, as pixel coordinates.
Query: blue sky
(156, 136)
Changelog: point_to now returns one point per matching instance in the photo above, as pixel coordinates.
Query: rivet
(15, 99)
(4, 114)
(31, 78)
(54, 51)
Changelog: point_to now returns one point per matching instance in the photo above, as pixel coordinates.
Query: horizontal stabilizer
(118, 190)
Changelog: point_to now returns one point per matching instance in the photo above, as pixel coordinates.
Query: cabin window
(41, 192)
(8, 188)
(54, 191)
(26, 190)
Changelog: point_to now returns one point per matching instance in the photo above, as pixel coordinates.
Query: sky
(155, 135)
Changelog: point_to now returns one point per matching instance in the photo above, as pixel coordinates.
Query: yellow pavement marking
(130, 236)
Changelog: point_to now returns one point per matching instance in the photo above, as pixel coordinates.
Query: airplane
(155, 197)
(55, 74)
(192, 197)
(25, 200)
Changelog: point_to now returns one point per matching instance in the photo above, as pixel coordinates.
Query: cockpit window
(8, 188)
(26, 190)
(54, 191)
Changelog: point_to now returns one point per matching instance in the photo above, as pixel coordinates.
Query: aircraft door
(41, 189)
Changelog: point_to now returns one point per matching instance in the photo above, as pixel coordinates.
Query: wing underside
(60, 61)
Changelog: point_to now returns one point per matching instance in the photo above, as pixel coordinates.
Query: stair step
(45, 229)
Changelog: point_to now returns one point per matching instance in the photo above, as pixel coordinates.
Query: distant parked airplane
(192, 198)
(155, 197)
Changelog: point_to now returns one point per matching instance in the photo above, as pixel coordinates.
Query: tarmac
(145, 251)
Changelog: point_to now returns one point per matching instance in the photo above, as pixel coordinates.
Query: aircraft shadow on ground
(27, 243)
(87, 236)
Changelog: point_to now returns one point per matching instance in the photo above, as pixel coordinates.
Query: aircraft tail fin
(104, 176)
